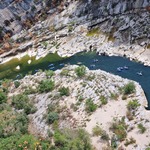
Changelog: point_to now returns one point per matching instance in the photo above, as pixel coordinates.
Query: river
(130, 70)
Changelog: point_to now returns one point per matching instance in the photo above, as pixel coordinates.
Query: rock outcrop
(128, 21)
(14, 12)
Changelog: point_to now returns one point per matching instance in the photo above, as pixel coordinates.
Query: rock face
(128, 21)
(14, 12)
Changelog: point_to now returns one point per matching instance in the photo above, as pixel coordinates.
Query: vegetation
(21, 101)
(12, 124)
(80, 71)
(64, 91)
(51, 117)
(129, 115)
(119, 128)
(46, 86)
(90, 106)
(104, 136)
(3, 97)
(97, 131)
(93, 32)
(17, 84)
(141, 128)
(49, 73)
(103, 100)
(114, 96)
(129, 88)
(130, 141)
(72, 139)
(133, 104)
(64, 72)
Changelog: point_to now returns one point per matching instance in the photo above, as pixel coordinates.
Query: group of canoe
(119, 69)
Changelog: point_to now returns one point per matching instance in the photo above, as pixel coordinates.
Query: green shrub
(141, 128)
(103, 100)
(51, 117)
(64, 91)
(90, 106)
(9, 143)
(51, 107)
(3, 97)
(80, 71)
(132, 105)
(129, 88)
(46, 86)
(49, 73)
(97, 131)
(17, 84)
(64, 72)
(26, 141)
(104, 136)
(12, 124)
(29, 109)
(119, 128)
(29, 90)
(80, 98)
(114, 96)
(68, 139)
(19, 101)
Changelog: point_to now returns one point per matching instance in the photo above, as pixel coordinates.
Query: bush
(70, 139)
(3, 97)
(103, 100)
(19, 101)
(12, 124)
(51, 117)
(49, 73)
(119, 128)
(129, 88)
(29, 109)
(97, 131)
(80, 71)
(64, 72)
(132, 105)
(51, 107)
(17, 84)
(104, 136)
(64, 91)
(90, 106)
(141, 128)
(46, 86)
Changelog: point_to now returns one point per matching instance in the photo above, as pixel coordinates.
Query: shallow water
(53, 62)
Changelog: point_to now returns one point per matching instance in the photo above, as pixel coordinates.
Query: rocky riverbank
(104, 91)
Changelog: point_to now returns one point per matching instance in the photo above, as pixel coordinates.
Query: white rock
(29, 61)
(18, 67)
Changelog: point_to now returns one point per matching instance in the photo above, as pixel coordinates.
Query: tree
(3, 97)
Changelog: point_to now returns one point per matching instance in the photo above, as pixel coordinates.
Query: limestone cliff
(127, 21)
